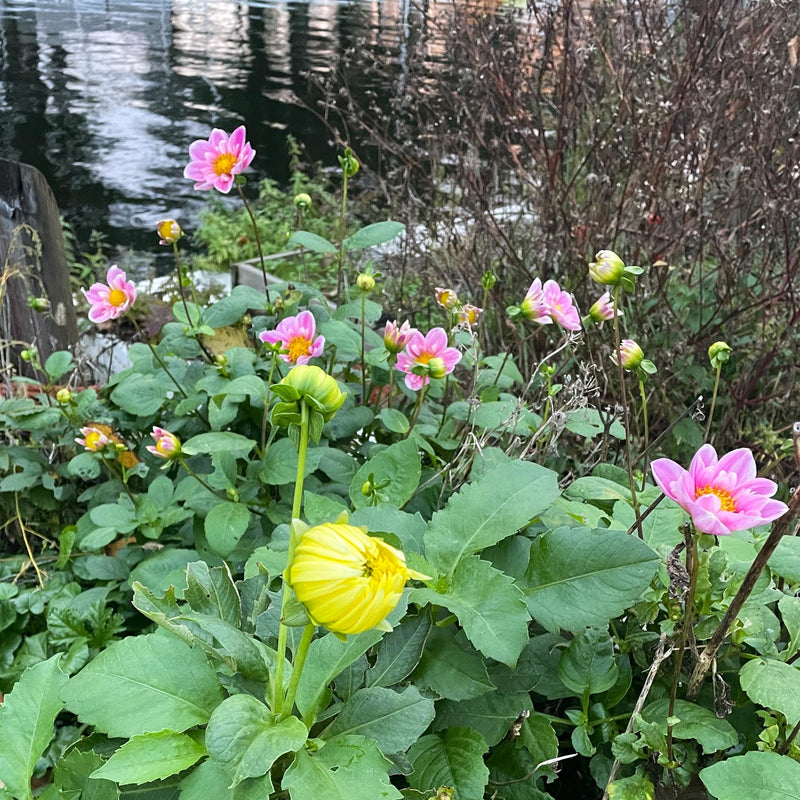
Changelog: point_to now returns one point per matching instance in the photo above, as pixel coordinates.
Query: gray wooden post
(32, 264)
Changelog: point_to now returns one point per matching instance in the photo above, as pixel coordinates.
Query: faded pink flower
(427, 356)
(603, 308)
(296, 335)
(446, 298)
(93, 439)
(560, 306)
(468, 314)
(395, 339)
(722, 495)
(216, 162)
(112, 300)
(167, 445)
(534, 307)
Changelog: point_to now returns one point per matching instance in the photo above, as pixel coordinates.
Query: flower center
(424, 358)
(299, 346)
(117, 297)
(224, 163)
(93, 440)
(726, 501)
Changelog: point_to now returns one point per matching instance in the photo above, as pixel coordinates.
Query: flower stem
(625, 415)
(157, 357)
(277, 682)
(646, 447)
(363, 335)
(692, 564)
(297, 667)
(182, 294)
(713, 403)
(342, 231)
(257, 238)
(417, 407)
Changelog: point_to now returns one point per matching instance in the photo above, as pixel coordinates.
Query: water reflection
(105, 97)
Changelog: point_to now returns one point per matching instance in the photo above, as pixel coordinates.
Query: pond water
(105, 97)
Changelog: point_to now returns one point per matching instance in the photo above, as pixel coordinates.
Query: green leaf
(491, 715)
(394, 420)
(637, 787)
(243, 737)
(310, 241)
(279, 466)
(785, 561)
(485, 512)
(140, 395)
(591, 487)
(696, 722)
(587, 665)
(224, 525)
(400, 651)
(229, 310)
(400, 465)
(207, 780)
(489, 606)
(327, 657)
(756, 775)
(58, 364)
(773, 684)
(234, 443)
(451, 667)
(156, 681)
(345, 768)
(371, 235)
(212, 591)
(537, 736)
(71, 777)
(26, 723)
(451, 758)
(151, 757)
(394, 720)
(85, 466)
(578, 578)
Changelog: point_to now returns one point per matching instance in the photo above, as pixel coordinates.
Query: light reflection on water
(105, 97)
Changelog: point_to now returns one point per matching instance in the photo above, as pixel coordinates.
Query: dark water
(105, 97)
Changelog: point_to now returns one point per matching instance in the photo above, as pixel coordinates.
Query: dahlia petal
(708, 522)
(740, 462)
(704, 458)
(218, 139)
(416, 382)
(667, 473)
(237, 140)
(760, 486)
(436, 341)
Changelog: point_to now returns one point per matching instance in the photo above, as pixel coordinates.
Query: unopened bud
(365, 282)
(348, 163)
(607, 268)
(719, 353)
(64, 396)
(302, 201)
(169, 231)
(488, 280)
(40, 304)
(437, 368)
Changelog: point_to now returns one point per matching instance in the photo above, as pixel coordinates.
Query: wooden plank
(34, 264)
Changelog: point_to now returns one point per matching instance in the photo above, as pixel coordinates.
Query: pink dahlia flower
(395, 339)
(112, 300)
(722, 495)
(468, 314)
(534, 307)
(427, 356)
(93, 439)
(216, 162)
(167, 445)
(296, 336)
(560, 306)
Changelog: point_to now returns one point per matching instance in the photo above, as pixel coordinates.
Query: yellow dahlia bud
(319, 389)
(64, 396)
(719, 353)
(169, 231)
(365, 282)
(302, 201)
(607, 268)
(347, 580)
(446, 298)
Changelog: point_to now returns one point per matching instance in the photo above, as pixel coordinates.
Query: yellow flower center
(726, 501)
(92, 439)
(117, 297)
(299, 346)
(224, 163)
(424, 358)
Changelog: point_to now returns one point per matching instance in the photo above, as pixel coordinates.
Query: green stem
(277, 683)
(363, 336)
(643, 395)
(266, 404)
(297, 667)
(209, 357)
(257, 238)
(713, 403)
(342, 230)
(624, 398)
(417, 407)
(692, 564)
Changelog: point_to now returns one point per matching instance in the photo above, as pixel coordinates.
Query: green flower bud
(320, 390)
(607, 268)
(365, 282)
(348, 163)
(437, 368)
(488, 280)
(302, 201)
(40, 304)
(719, 353)
(64, 396)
